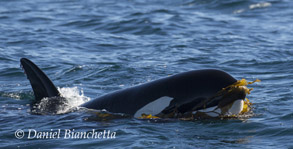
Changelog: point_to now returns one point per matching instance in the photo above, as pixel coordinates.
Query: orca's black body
(189, 91)
(185, 88)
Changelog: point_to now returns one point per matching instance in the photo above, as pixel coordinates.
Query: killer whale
(174, 96)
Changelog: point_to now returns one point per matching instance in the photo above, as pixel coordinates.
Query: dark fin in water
(41, 84)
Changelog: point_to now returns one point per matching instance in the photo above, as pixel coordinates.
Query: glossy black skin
(41, 84)
(187, 89)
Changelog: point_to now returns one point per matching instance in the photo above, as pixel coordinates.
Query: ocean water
(90, 48)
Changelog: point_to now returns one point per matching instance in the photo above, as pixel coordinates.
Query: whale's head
(231, 102)
(228, 102)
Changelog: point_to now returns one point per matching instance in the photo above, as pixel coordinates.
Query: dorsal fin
(41, 84)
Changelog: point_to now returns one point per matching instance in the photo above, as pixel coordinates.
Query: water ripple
(102, 46)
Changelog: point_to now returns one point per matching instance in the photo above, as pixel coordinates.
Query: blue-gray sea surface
(94, 47)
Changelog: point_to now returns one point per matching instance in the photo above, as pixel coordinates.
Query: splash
(69, 101)
(74, 96)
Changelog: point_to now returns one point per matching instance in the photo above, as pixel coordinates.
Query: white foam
(260, 5)
(12, 95)
(74, 96)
